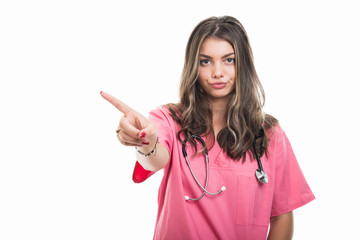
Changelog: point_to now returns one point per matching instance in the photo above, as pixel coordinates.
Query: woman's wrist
(148, 150)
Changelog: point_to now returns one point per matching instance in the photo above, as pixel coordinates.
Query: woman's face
(217, 68)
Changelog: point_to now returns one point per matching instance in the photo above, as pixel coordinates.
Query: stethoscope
(259, 173)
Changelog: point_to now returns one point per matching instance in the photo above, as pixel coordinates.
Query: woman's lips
(218, 85)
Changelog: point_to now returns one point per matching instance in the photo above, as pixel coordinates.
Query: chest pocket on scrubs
(254, 200)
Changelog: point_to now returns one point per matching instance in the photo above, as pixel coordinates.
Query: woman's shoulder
(165, 109)
(270, 124)
(162, 109)
(168, 112)
(273, 128)
(276, 135)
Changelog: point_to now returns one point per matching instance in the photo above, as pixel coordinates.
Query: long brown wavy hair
(246, 121)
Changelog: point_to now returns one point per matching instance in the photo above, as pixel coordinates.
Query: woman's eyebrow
(228, 55)
(206, 56)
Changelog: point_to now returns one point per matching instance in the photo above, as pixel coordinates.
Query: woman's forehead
(216, 47)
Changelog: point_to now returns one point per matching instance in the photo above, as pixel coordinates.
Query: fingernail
(142, 135)
(145, 142)
(100, 92)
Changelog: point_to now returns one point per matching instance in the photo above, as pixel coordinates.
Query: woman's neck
(219, 109)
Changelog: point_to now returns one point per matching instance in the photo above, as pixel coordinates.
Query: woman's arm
(281, 227)
(156, 160)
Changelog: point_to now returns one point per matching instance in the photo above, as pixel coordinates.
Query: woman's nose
(217, 71)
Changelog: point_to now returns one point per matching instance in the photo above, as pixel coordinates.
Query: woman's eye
(230, 60)
(204, 61)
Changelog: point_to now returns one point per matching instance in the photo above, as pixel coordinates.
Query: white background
(63, 174)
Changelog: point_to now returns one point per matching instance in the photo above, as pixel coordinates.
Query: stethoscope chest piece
(261, 176)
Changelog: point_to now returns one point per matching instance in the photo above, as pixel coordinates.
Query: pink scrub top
(244, 209)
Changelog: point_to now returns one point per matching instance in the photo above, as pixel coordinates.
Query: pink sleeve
(164, 123)
(161, 118)
(291, 189)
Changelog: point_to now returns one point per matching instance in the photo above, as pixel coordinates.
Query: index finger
(122, 107)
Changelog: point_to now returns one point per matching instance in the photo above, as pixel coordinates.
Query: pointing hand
(134, 129)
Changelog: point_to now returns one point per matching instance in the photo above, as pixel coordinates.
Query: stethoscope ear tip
(223, 188)
(187, 198)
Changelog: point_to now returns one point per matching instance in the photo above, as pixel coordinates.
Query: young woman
(214, 186)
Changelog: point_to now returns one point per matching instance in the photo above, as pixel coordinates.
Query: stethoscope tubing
(207, 177)
(259, 173)
(257, 158)
(207, 170)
